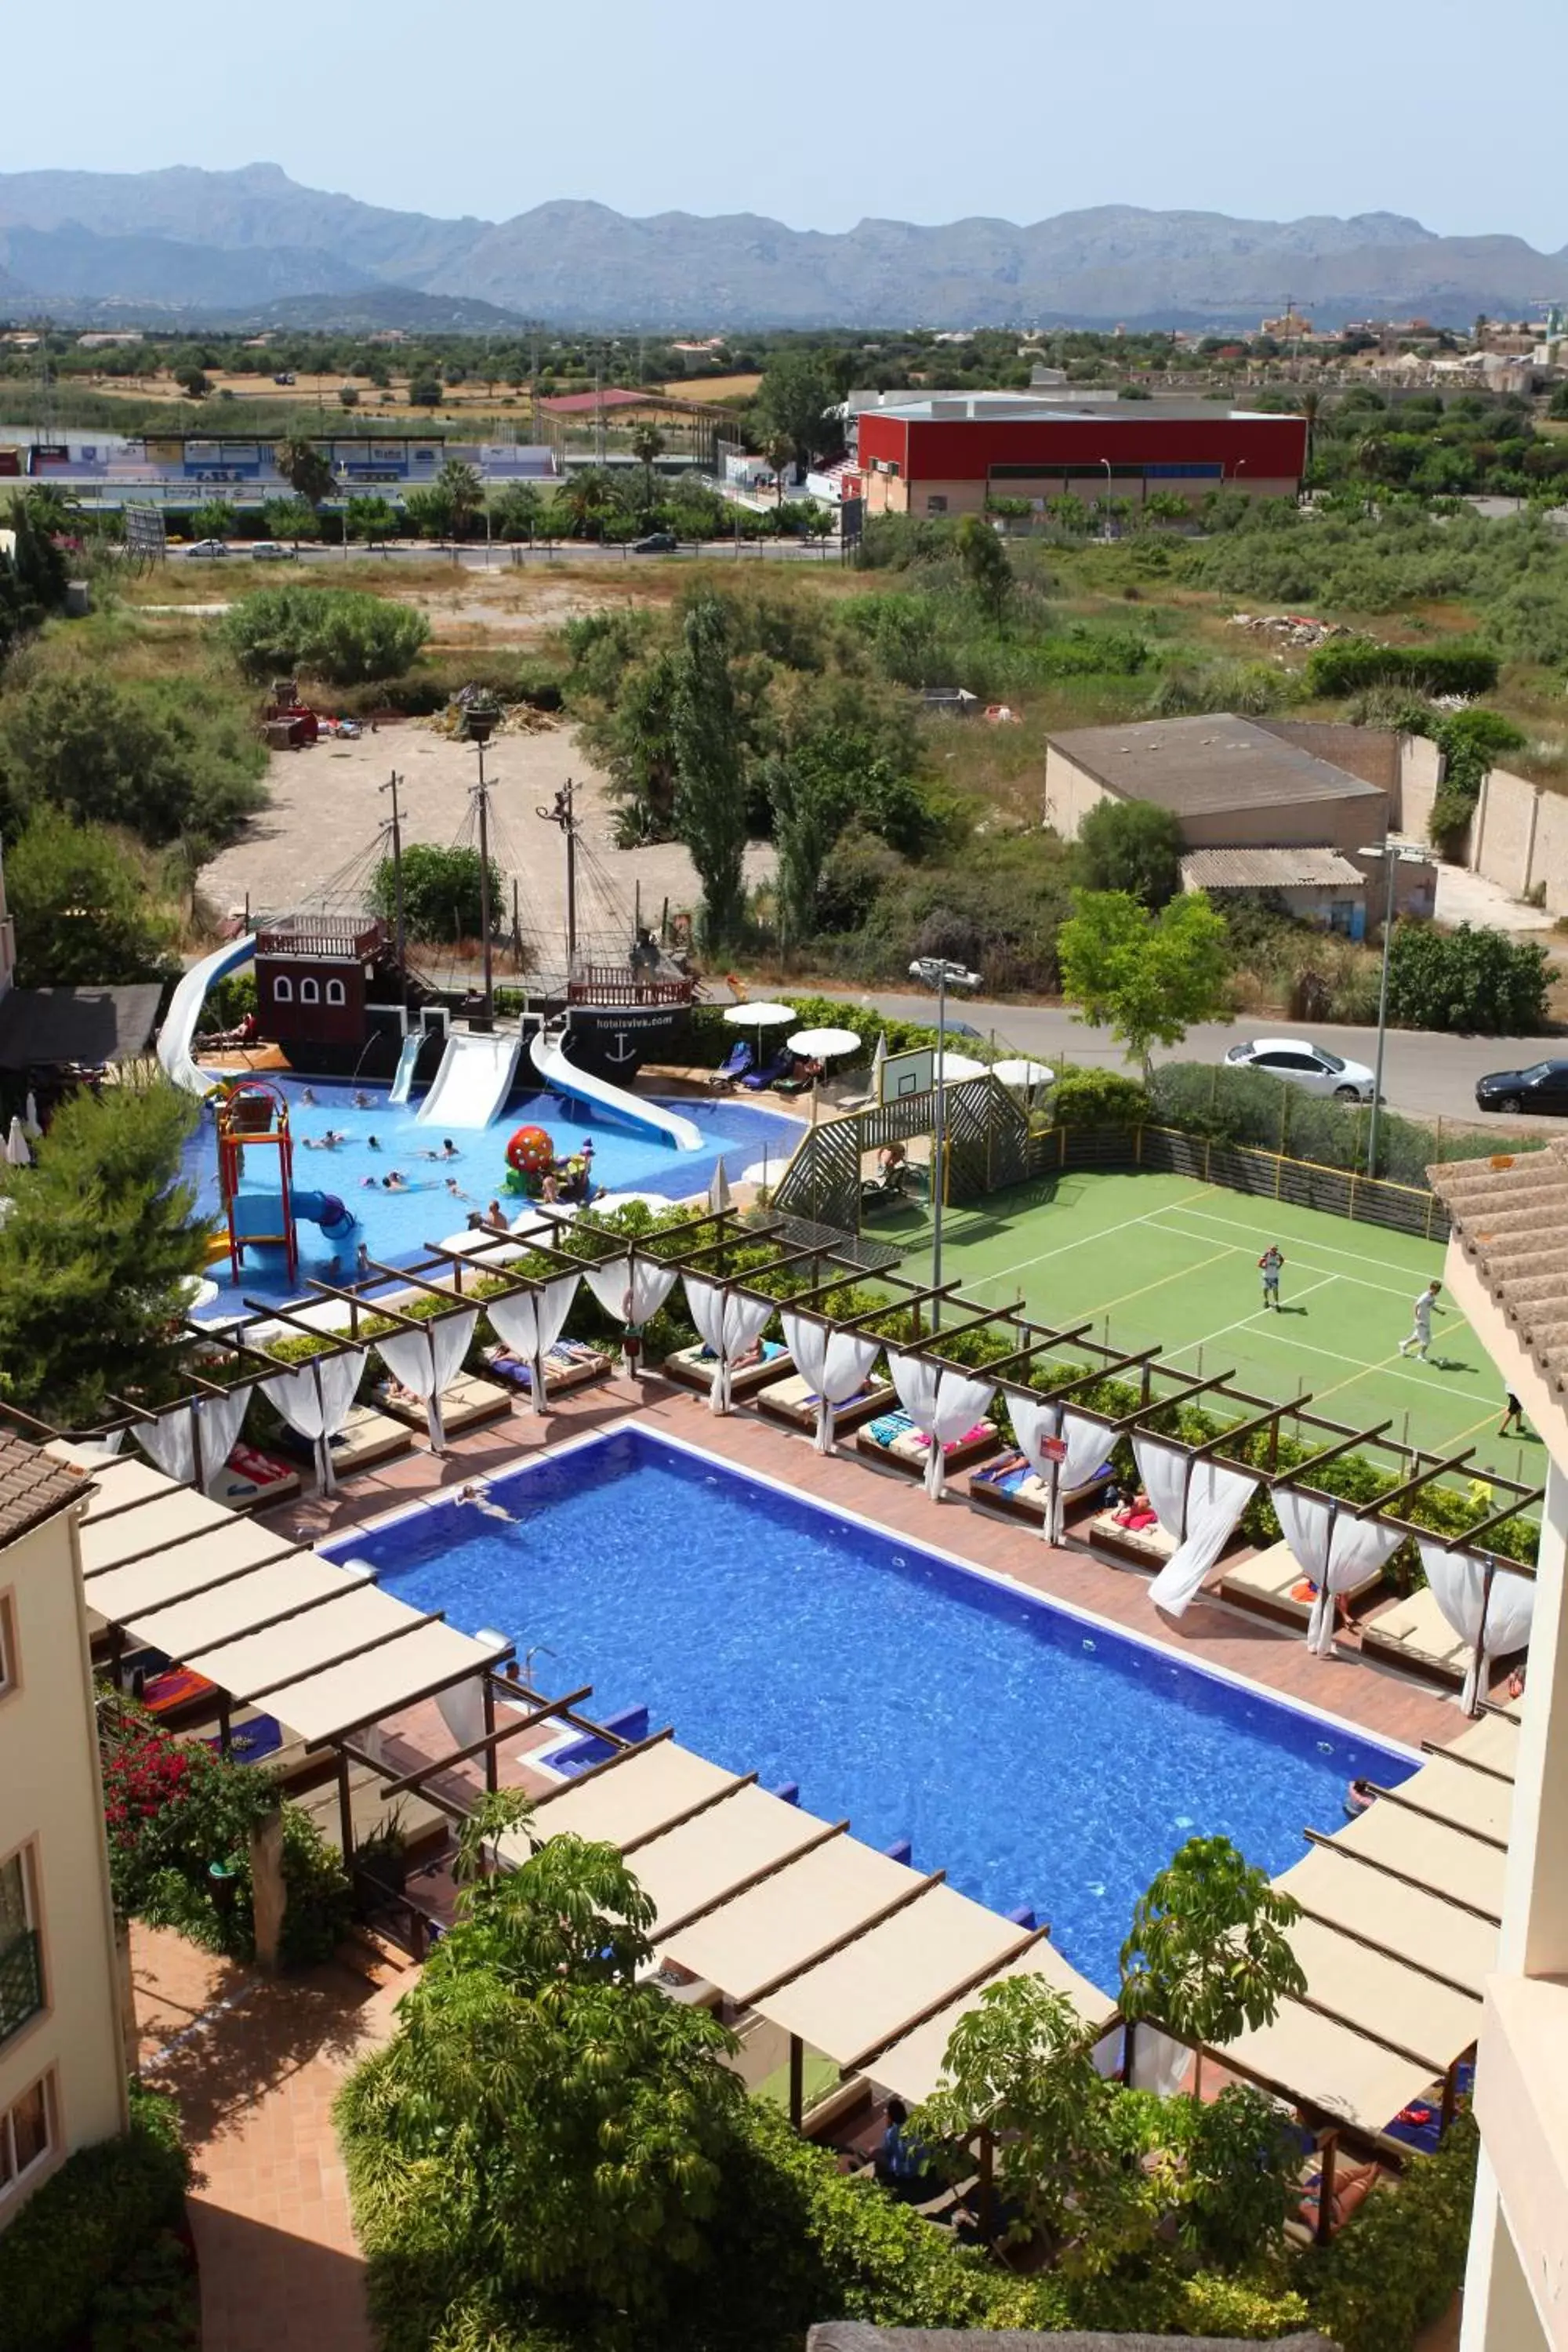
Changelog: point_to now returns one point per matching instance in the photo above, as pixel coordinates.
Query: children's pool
(396, 1227)
(1034, 1754)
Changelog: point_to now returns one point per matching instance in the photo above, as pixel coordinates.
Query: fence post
(1207, 1147)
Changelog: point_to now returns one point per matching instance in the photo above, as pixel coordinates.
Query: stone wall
(1519, 838)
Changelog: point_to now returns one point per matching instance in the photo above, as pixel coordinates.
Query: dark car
(1542, 1087)
(657, 542)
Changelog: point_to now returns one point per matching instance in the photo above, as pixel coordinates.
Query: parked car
(655, 542)
(1542, 1087)
(271, 550)
(207, 547)
(1311, 1067)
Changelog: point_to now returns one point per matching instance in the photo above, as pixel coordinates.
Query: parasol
(1019, 1071)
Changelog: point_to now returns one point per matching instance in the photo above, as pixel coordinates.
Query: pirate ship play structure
(341, 993)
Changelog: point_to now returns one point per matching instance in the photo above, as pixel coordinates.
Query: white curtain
(218, 1425)
(942, 1405)
(1458, 1582)
(529, 1323)
(462, 1710)
(1334, 1548)
(425, 1362)
(171, 1443)
(832, 1364)
(632, 1290)
(1164, 1472)
(730, 1327)
(1160, 2063)
(1217, 1498)
(315, 1401)
(1087, 1444)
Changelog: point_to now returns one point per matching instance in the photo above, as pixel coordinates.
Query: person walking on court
(1268, 1266)
(1513, 1416)
(1420, 1334)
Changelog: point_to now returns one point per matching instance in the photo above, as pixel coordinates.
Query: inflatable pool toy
(530, 1152)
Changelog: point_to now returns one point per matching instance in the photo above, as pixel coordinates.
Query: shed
(1230, 783)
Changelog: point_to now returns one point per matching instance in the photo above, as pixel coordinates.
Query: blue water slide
(258, 1216)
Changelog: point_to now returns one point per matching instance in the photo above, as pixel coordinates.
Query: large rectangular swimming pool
(1035, 1755)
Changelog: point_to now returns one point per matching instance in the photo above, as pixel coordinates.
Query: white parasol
(824, 1044)
(951, 1067)
(17, 1150)
(30, 1116)
(758, 1016)
(1019, 1071)
(719, 1198)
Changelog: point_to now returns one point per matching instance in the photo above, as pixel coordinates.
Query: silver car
(1311, 1067)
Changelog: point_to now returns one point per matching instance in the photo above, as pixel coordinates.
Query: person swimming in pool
(394, 1181)
(362, 1100)
(478, 1495)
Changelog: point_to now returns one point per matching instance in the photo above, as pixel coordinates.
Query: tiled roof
(32, 1486)
(1269, 869)
(1510, 1215)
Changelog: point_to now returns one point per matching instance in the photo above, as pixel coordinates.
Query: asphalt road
(472, 558)
(1428, 1076)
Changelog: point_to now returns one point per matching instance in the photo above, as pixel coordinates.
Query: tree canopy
(82, 916)
(441, 898)
(1206, 1955)
(1134, 846)
(709, 811)
(339, 634)
(1147, 977)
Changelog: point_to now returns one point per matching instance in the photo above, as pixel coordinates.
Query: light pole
(1106, 463)
(1392, 856)
(936, 972)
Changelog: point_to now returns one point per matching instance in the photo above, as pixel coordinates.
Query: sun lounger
(1127, 1546)
(734, 1067)
(1271, 1585)
(1415, 1634)
(794, 1401)
(253, 1738)
(253, 1481)
(570, 1364)
(469, 1402)
(1009, 1485)
(893, 1438)
(694, 1368)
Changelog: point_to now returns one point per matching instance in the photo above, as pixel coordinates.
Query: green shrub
(1351, 665)
(441, 898)
(340, 636)
(87, 2224)
(1472, 981)
(1398, 2266)
(1095, 1098)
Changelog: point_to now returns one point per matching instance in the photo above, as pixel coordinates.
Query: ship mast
(564, 814)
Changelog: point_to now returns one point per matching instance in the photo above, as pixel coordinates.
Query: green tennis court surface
(1157, 1259)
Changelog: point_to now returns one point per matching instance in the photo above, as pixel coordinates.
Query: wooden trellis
(988, 1147)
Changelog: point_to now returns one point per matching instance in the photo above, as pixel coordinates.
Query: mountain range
(253, 245)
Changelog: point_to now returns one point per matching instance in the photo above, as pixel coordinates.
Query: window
(25, 2134)
(283, 990)
(10, 1672)
(335, 992)
(309, 993)
(937, 502)
(21, 1962)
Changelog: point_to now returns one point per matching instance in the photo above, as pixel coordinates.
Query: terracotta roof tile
(1511, 1216)
(32, 1486)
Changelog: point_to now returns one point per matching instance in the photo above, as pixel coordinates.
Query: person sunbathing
(1137, 1514)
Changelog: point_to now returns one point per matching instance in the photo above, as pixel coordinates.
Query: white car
(1311, 1067)
(271, 550)
(207, 547)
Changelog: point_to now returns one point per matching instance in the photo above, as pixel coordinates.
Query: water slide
(473, 1081)
(258, 1216)
(184, 1016)
(632, 1110)
(404, 1076)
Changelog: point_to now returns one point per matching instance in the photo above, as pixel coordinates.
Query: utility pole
(399, 928)
(482, 795)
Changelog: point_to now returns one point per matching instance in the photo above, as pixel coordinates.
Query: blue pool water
(397, 1226)
(1036, 1757)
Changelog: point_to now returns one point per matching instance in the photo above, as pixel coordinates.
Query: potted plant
(380, 1861)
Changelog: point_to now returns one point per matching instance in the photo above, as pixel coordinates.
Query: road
(503, 554)
(1427, 1075)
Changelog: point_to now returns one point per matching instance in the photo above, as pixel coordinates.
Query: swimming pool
(1035, 1755)
(397, 1226)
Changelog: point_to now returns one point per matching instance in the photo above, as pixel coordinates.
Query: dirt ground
(326, 810)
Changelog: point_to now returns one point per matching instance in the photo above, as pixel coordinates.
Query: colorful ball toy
(530, 1152)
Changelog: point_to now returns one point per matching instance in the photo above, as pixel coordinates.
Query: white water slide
(473, 1081)
(184, 1016)
(632, 1110)
(404, 1076)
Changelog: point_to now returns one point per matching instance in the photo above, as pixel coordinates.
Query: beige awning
(1477, 1802)
(125, 1596)
(684, 1871)
(247, 1663)
(172, 1517)
(117, 1479)
(337, 1700)
(201, 1624)
(912, 2066)
(1493, 1741)
(873, 1990)
(789, 1919)
(1418, 1927)
(1444, 1860)
(1327, 2066)
(1385, 1998)
(645, 1789)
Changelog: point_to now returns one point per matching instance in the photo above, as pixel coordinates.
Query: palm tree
(306, 471)
(464, 492)
(780, 454)
(648, 443)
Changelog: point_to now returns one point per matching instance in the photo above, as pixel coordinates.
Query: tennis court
(1159, 1259)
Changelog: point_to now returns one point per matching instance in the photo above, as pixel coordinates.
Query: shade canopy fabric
(427, 1361)
(1335, 1550)
(1419, 1927)
(315, 1401)
(1488, 1607)
(824, 1044)
(1017, 1070)
(644, 1791)
(912, 2067)
(1214, 1498)
(1034, 1424)
(943, 1404)
(718, 1197)
(193, 1441)
(730, 1325)
(833, 1363)
(530, 1322)
(633, 1289)
(949, 1068)
(758, 1016)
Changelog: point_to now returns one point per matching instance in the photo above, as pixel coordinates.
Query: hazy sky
(918, 109)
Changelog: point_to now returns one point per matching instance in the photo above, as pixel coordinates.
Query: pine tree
(711, 786)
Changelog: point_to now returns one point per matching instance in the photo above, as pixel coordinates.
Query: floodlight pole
(1390, 857)
(936, 972)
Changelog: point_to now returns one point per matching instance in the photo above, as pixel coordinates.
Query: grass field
(1157, 1259)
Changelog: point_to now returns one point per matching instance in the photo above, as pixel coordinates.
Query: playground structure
(986, 1146)
(254, 1117)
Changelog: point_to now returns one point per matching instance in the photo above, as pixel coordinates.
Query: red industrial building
(949, 454)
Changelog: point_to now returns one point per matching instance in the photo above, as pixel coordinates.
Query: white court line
(1330, 1249)
(1256, 1315)
(1065, 1249)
